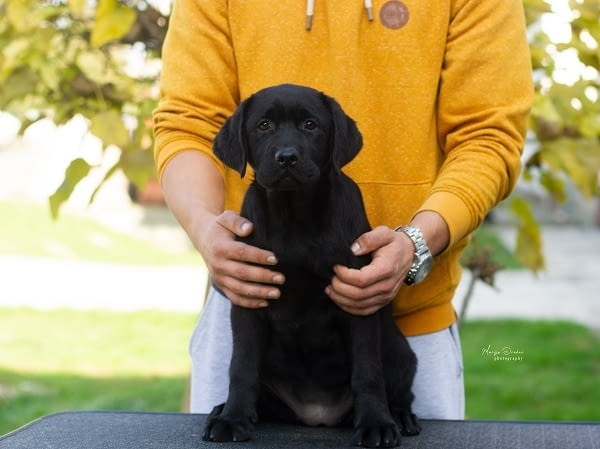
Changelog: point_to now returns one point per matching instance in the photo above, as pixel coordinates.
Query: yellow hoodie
(440, 91)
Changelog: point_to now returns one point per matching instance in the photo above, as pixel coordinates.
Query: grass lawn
(75, 360)
(29, 230)
(68, 360)
(531, 370)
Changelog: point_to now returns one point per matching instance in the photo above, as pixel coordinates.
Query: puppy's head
(290, 135)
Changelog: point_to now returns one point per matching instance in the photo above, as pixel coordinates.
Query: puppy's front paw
(220, 428)
(409, 424)
(377, 436)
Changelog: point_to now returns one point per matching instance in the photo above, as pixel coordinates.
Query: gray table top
(118, 430)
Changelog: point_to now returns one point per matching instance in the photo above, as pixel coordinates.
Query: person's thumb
(371, 241)
(234, 223)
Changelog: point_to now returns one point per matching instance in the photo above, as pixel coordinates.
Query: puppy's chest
(311, 234)
(308, 250)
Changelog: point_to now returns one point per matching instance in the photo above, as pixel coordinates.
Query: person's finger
(247, 294)
(240, 251)
(356, 294)
(242, 227)
(363, 277)
(362, 307)
(372, 240)
(245, 272)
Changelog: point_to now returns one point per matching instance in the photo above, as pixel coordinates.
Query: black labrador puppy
(303, 359)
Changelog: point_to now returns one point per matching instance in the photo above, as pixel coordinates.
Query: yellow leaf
(529, 248)
(113, 21)
(77, 7)
(19, 15)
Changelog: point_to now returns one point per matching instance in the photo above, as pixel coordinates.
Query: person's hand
(364, 291)
(239, 269)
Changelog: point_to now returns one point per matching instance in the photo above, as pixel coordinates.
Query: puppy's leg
(234, 420)
(399, 366)
(373, 423)
(399, 374)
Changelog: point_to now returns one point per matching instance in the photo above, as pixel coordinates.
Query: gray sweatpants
(438, 386)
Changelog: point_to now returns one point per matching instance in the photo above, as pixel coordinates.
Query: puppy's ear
(230, 144)
(346, 138)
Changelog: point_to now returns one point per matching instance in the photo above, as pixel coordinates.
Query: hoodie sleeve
(484, 100)
(199, 88)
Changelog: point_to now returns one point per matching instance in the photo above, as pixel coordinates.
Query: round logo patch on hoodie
(394, 14)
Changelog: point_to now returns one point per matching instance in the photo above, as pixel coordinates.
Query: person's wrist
(435, 230)
(199, 230)
(422, 257)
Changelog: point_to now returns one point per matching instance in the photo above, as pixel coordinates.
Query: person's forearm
(434, 229)
(194, 191)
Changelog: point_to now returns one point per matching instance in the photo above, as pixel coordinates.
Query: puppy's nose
(286, 157)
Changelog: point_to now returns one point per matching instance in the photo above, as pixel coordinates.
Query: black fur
(303, 359)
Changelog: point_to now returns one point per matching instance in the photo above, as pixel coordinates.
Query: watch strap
(421, 251)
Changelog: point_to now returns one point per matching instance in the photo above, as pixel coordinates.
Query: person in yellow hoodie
(440, 91)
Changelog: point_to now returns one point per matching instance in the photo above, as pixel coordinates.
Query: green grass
(28, 229)
(553, 372)
(73, 360)
(79, 360)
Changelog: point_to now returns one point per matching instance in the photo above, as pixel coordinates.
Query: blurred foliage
(565, 118)
(60, 58)
(485, 255)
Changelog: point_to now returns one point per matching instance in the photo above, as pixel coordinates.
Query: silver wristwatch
(423, 259)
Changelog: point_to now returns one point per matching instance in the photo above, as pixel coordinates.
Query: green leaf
(113, 21)
(108, 174)
(18, 86)
(28, 15)
(109, 128)
(529, 247)
(138, 166)
(100, 76)
(76, 171)
(13, 56)
(544, 107)
(94, 65)
(588, 152)
(577, 158)
(589, 126)
(554, 185)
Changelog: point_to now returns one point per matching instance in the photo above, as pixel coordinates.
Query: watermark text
(503, 354)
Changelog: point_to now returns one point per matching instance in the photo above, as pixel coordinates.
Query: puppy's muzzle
(286, 157)
(286, 167)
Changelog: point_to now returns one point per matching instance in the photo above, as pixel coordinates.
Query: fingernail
(278, 279)
(273, 294)
(272, 260)
(328, 290)
(263, 304)
(245, 227)
(355, 248)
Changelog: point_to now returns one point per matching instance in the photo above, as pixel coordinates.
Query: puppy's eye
(310, 125)
(264, 125)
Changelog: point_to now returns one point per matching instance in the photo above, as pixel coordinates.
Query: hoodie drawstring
(310, 11)
(369, 8)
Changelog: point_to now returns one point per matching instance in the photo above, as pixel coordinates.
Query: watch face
(423, 269)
